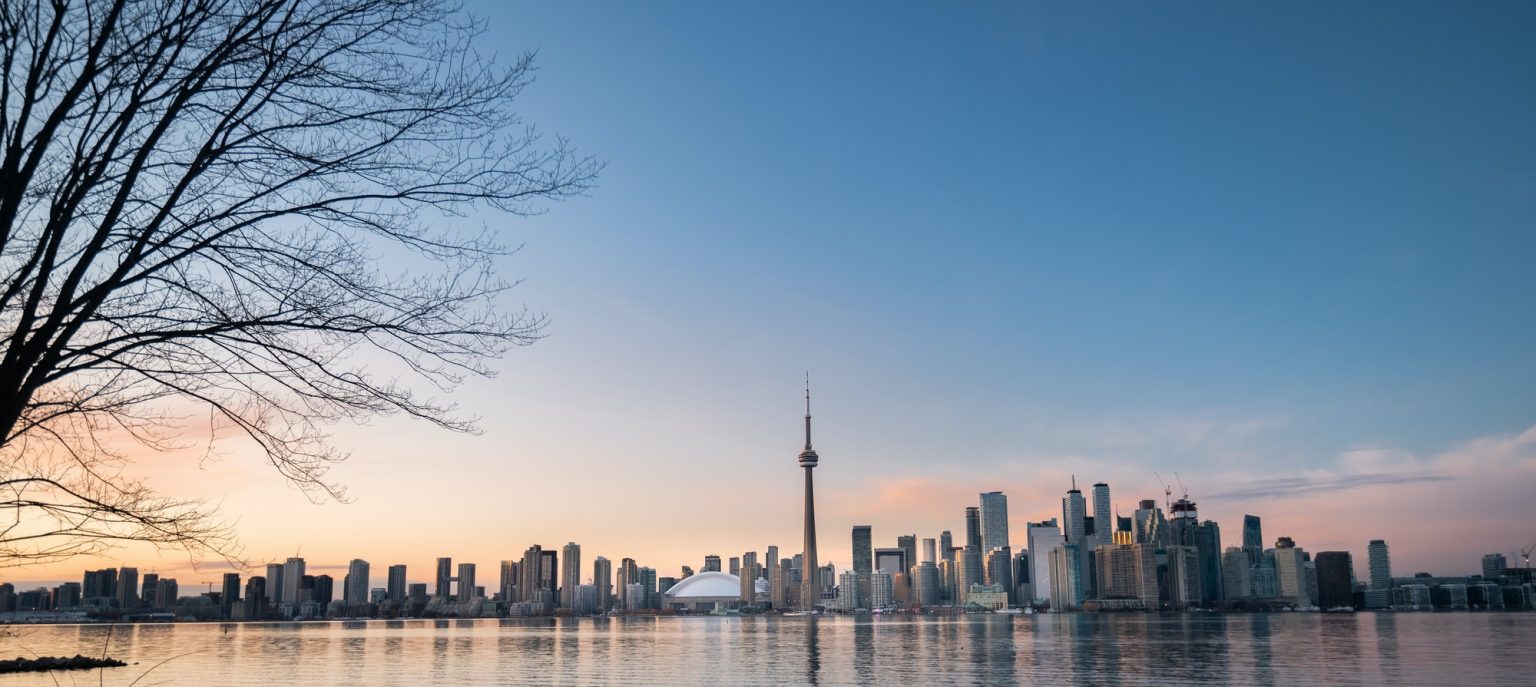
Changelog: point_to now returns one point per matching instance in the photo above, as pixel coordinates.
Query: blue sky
(1270, 244)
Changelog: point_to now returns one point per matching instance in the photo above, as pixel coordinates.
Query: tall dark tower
(810, 574)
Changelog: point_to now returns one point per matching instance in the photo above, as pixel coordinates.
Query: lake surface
(1132, 649)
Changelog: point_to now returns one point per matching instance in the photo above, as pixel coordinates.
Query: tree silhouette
(195, 196)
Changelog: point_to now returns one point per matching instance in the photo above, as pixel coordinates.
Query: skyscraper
(810, 587)
(395, 585)
(572, 577)
(602, 578)
(994, 521)
(711, 563)
(1104, 521)
(1335, 580)
(946, 546)
(1290, 573)
(529, 587)
(272, 586)
(127, 587)
(444, 587)
(1253, 533)
(973, 526)
(1074, 512)
(1380, 560)
(1074, 515)
(929, 552)
(293, 574)
(466, 582)
(355, 589)
(230, 594)
(1042, 538)
(908, 543)
(863, 553)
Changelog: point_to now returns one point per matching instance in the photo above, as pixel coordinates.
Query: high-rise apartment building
(466, 579)
(443, 589)
(930, 548)
(602, 578)
(1042, 538)
(1379, 595)
(1493, 565)
(711, 563)
(947, 546)
(994, 521)
(1074, 512)
(394, 586)
(1253, 534)
(973, 526)
(1234, 574)
(355, 588)
(230, 595)
(1103, 518)
(1291, 573)
(572, 577)
(1335, 579)
(293, 574)
(127, 587)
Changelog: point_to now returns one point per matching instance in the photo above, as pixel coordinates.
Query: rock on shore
(45, 663)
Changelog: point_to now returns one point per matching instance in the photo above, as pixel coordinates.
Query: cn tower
(810, 574)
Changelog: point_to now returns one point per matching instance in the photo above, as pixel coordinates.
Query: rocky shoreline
(46, 663)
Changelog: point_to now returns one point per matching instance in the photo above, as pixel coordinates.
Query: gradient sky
(1285, 250)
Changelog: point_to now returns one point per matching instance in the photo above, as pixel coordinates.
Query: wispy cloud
(1291, 486)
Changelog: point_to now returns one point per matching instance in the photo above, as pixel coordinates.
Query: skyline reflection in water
(1130, 649)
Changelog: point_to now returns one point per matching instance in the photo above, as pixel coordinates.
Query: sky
(1286, 252)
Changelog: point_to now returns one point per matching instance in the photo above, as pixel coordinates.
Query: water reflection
(905, 651)
(812, 651)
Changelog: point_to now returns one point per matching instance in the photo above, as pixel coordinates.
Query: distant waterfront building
(394, 585)
(293, 574)
(443, 590)
(355, 587)
(1150, 525)
(149, 589)
(1103, 518)
(882, 589)
(127, 587)
(968, 571)
(1253, 534)
(572, 577)
(711, 564)
(1065, 570)
(750, 574)
(416, 593)
(930, 551)
(255, 606)
(946, 545)
(735, 565)
(988, 596)
(274, 585)
(1335, 580)
(994, 521)
(972, 526)
(1042, 538)
(925, 584)
(1290, 573)
(908, 544)
(848, 591)
(1234, 573)
(1493, 565)
(778, 584)
(466, 579)
(1184, 586)
(1379, 558)
(1207, 543)
(1261, 581)
(999, 569)
(891, 560)
(602, 580)
(1075, 529)
(230, 595)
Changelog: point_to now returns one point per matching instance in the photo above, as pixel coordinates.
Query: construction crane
(1182, 488)
(1167, 491)
(1526, 554)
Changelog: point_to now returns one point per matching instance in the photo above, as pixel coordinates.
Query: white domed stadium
(707, 591)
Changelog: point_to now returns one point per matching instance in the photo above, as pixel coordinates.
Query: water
(1133, 649)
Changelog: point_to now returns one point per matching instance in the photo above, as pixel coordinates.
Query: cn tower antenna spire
(807, 409)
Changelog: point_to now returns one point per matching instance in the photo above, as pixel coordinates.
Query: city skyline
(1288, 263)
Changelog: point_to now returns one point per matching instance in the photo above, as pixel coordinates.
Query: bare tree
(235, 209)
